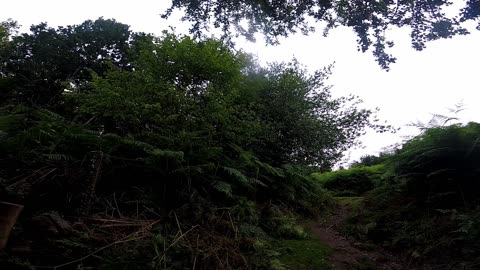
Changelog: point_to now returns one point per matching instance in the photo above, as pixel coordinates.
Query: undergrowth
(130, 151)
(430, 210)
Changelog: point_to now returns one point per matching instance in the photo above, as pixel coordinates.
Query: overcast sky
(420, 83)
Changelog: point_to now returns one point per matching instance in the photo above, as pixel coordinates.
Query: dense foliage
(354, 181)
(37, 67)
(371, 160)
(430, 208)
(204, 150)
(370, 19)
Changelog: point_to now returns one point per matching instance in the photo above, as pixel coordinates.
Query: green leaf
(223, 187)
(237, 175)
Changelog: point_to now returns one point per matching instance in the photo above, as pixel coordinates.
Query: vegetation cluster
(351, 182)
(131, 151)
(426, 205)
(134, 151)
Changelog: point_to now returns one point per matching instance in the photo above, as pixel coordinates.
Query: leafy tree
(40, 65)
(371, 160)
(471, 11)
(301, 122)
(7, 28)
(369, 19)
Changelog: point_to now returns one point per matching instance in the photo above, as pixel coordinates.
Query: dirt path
(349, 255)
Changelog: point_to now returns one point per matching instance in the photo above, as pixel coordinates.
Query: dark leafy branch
(369, 19)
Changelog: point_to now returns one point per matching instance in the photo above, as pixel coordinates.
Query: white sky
(420, 83)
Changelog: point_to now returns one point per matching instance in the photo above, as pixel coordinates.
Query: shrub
(351, 182)
(441, 167)
(430, 209)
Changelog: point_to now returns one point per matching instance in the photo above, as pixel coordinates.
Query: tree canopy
(37, 66)
(370, 19)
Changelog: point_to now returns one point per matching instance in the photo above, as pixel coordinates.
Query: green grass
(307, 254)
(350, 202)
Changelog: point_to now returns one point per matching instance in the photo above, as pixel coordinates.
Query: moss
(308, 254)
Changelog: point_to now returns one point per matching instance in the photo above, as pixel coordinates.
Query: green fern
(223, 187)
(158, 153)
(48, 115)
(270, 169)
(58, 157)
(255, 182)
(196, 169)
(86, 135)
(143, 145)
(112, 136)
(237, 175)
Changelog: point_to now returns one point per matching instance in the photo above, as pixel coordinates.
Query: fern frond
(223, 187)
(159, 153)
(91, 132)
(157, 138)
(237, 175)
(255, 181)
(196, 169)
(47, 115)
(82, 134)
(212, 152)
(112, 136)
(270, 169)
(58, 157)
(143, 145)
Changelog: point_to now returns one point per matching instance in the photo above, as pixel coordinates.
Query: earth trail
(347, 254)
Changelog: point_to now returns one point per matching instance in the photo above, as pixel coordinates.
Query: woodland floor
(348, 254)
